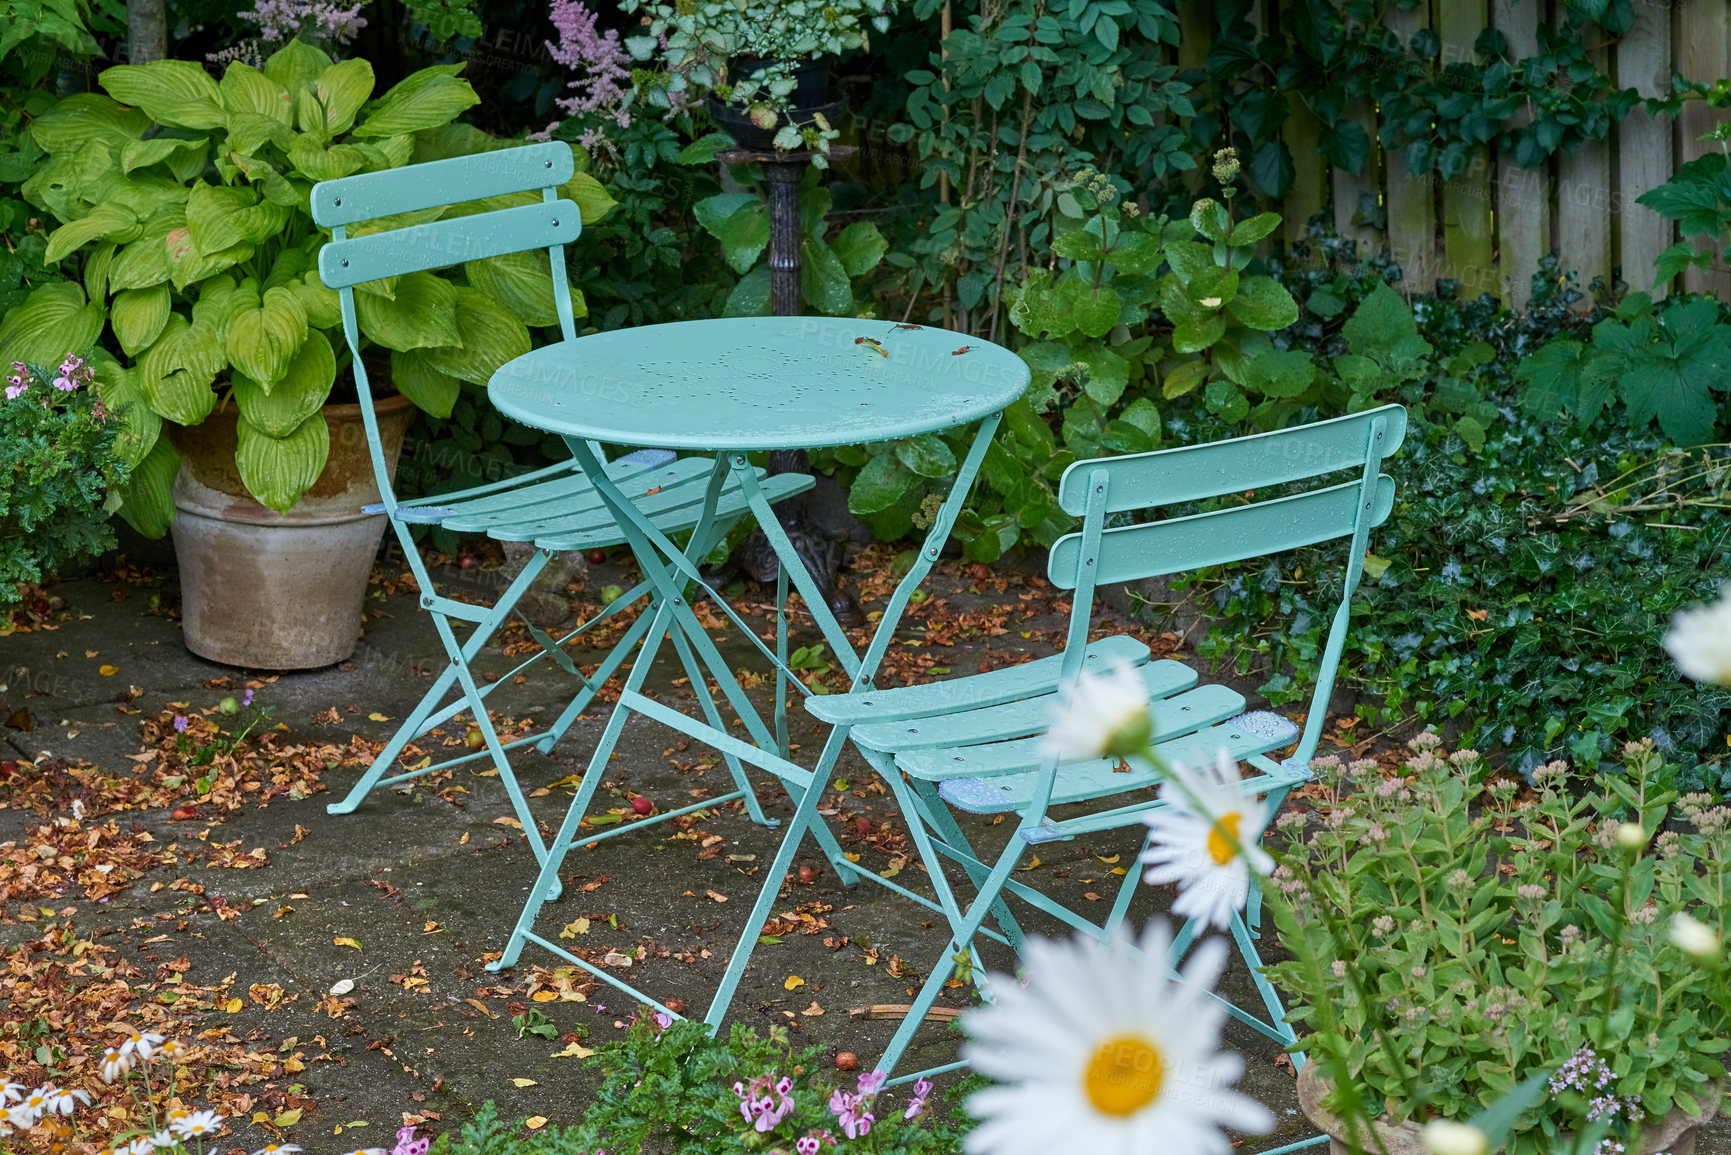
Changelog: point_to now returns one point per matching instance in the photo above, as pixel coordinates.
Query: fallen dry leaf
(792, 982)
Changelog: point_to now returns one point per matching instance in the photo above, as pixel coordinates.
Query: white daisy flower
(12, 1092)
(1101, 714)
(35, 1103)
(1700, 640)
(1103, 1052)
(197, 1125)
(368, 1151)
(1205, 840)
(143, 1044)
(143, 1145)
(278, 1149)
(164, 1139)
(15, 1119)
(115, 1065)
(1694, 938)
(62, 1102)
(1442, 1137)
(173, 1050)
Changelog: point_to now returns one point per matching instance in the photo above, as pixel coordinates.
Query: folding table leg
(949, 831)
(700, 687)
(609, 665)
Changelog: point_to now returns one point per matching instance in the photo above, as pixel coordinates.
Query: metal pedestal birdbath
(782, 172)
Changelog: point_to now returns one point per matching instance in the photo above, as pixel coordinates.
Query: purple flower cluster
(74, 373)
(285, 19)
(853, 1112)
(1591, 1076)
(17, 381)
(407, 1144)
(761, 1109)
(604, 66)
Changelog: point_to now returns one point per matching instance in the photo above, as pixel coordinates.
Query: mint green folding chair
(973, 743)
(556, 507)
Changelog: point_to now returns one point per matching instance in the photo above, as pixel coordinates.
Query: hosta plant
(200, 255)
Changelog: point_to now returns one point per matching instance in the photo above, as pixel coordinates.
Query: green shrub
(58, 468)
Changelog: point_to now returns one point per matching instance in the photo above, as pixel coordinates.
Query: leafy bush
(200, 253)
(671, 1088)
(1496, 938)
(58, 467)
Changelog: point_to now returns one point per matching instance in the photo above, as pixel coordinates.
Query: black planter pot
(810, 97)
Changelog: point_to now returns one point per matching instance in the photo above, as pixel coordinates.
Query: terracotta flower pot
(278, 591)
(1674, 1134)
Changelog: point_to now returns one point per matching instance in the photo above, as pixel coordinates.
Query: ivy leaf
(1272, 169)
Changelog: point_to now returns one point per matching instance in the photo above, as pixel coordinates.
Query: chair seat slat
(731, 505)
(972, 692)
(1033, 714)
(566, 496)
(1101, 778)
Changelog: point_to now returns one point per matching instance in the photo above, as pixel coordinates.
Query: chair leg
(782, 677)
(413, 725)
(1283, 1032)
(949, 831)
(547, 883)
(490, 738)
(961, 939)
(1127, 888)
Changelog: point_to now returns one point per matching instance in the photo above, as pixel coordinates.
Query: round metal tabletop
(759, 383)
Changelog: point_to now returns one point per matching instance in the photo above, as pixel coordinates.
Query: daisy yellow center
(1124, 1075)
(1223, 838)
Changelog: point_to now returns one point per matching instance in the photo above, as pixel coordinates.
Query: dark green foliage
(57, 466)
(672, 1092)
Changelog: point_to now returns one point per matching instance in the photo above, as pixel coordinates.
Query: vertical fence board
(1308, 193)
(1468, 254)
(1584, 197)
(1523, 209)
(1410, 199)
(1643, 146)
(1351, 189)
(1703, 53)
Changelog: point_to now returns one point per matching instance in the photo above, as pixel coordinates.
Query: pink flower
(407, 1144)
(605, 65)
(73, 373)
(917, 1106)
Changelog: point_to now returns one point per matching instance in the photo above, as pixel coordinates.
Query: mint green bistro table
(730, 387)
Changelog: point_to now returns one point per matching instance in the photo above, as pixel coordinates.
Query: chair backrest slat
(368, 196)
(1133, 552)
(448, 242)
(1195, 472)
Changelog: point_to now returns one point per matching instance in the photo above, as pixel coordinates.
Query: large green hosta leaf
(114, 222)
(279, 411)
(221, 218)
(246, 89)
(296, 63)
(52, 322)
(139, 316)
(276, 470)
(179, 370)
(490, 337)
(122, 393)
(426, 99)
(415, 378)
(147, 498)
(340, 91)
(84, 117)
(175, 92)
(261, 342)
(521, 282)
(422, 315)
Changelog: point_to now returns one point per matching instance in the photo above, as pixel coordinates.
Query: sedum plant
(200, 256)
(1494, 935)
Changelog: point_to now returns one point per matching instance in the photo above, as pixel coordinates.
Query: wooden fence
(1489, 227)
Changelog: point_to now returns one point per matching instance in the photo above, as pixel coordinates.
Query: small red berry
(642, 805)
(846, 1061)
(807, 875)
(185, 813)
(597, 556)
(863, 827)
(467, 561)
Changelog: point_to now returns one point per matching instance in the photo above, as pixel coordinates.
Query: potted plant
(762, 64)
(62, 460)
(200, 271)
(1456, 937)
